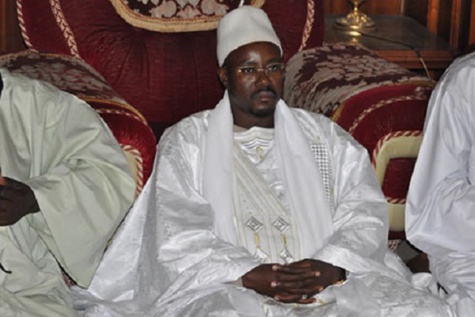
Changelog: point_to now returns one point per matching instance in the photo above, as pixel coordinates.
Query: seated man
(255, 209)
(441, 201)
(64, 187)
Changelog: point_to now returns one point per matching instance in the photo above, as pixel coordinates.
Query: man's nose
(262, 76)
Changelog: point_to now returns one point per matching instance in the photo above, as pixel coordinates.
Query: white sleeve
(441, 199)
(361, 217)
(176, 250)
(83, 184)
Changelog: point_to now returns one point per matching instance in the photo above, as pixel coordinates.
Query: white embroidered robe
(168, 260)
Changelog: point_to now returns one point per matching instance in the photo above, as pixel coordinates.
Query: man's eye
(247, 70)
(273, 67)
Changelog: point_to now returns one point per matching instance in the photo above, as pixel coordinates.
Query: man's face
(253, 76)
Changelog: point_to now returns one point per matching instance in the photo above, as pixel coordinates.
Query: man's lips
(265, 95)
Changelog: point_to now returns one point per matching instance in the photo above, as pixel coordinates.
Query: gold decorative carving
(355, 20)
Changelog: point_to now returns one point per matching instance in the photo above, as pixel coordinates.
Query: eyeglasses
(251, 72)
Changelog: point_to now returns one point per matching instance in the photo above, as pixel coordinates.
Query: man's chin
(263, 112)
(264, 109)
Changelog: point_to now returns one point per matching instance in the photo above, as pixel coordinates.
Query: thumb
(2, 180)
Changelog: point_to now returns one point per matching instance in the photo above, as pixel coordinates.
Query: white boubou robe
(179, 251)
(58, 146)
(440, 212)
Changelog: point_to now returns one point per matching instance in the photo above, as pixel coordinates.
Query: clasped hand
(16, 200)
(296, 282)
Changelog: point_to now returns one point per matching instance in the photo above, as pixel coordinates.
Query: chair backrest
(165, 75)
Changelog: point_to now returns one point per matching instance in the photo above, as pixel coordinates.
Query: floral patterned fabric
(67, 73)
(177, 15)
(320, 79)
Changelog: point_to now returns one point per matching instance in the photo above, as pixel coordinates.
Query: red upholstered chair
(382, 105)
(159, 56)
(164, 65)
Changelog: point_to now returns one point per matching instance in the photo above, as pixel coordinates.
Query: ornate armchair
(158, 56)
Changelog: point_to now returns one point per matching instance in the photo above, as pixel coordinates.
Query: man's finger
(306, 301)
(309, 291)
(299, 287)
(290, 269)
(287, 277)
(297, 299)
(288, 298)
(296, 270)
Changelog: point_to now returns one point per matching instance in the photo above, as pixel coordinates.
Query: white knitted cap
(241, 26)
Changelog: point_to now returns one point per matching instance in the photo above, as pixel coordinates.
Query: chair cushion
(76, 77)
(166, 76)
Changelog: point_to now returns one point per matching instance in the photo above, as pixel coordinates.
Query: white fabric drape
(168, 260)
(59, 146)
(299, 172)
(440, 212)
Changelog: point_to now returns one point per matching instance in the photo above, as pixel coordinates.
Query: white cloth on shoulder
(299, 172)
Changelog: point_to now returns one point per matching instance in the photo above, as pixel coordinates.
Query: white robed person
(65, 185)
(441, 201)
(256, 209)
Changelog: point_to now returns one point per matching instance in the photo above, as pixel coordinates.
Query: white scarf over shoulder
(300, 174)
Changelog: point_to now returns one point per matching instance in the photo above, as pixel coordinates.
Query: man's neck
(248, 121)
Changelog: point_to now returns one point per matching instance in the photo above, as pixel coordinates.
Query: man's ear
(223, 76)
